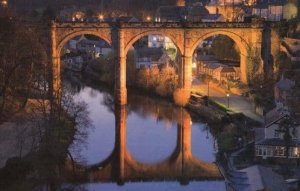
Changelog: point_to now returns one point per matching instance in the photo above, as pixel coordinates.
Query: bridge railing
(160, 24)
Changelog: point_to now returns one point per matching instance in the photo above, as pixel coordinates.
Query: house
(261, 9)
(213, 18)
(71, 14)
(216, 69)
(231, 2)
(273, 145)
(224, 73)
(145, 57)
(71, 45)
(276, 148)
(255, 178)
(276, 10)
(229, 12)
(271, 10)
(291, 47)
(150, 57)
(93, 46)
(196, 12)
(158, 41)
(293, 99)
(171, 14)
(282, 90)
(124, 19)
(206, 64)
(72, 62)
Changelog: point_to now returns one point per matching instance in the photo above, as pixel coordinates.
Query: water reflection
(121, 167)
(147, 140)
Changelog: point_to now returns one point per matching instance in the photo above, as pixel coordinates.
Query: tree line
(50, 125)
(23, 65)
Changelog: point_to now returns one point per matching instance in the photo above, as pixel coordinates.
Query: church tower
(180, 3)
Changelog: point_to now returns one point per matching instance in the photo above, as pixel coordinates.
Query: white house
(158, 41)
(151, 57)
(274, 145)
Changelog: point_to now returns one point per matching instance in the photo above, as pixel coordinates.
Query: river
(149, 144)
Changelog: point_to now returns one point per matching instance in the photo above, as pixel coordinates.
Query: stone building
(271, 10)
(230, 12)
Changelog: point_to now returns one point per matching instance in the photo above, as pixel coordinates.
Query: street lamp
(227, 100)
(4, 3)
(148, 18)
(208, 87)
(101, 17)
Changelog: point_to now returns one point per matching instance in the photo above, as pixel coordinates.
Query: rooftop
(264, 4)
(277, 142)
(285, 84)
(212, 16)
(171, 12)
(257, 177)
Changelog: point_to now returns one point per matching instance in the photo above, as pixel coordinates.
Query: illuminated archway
(244, 47)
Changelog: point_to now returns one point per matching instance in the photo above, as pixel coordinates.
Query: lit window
(296, 152)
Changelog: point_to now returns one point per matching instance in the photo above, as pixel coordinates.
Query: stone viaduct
(186, 37)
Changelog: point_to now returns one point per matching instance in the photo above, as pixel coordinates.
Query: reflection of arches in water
(101, 134)
(181, 165)
(148, 141)
(203, 143)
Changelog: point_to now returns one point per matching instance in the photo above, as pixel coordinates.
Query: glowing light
(194, 65)
(148, 18)
(101, 17)
(4, 3)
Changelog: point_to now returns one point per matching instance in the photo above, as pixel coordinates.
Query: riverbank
(232, 130)
(34, 145)
(17, 133)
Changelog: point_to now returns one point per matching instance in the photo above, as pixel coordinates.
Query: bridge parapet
(83, 24)
(223, 25)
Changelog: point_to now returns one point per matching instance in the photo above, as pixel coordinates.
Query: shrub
(161, 90)
(181, 96)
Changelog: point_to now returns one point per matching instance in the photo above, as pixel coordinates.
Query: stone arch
(137, 37)
(69, 36)
(240, 42)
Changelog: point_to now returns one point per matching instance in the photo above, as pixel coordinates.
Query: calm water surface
(152, 133)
